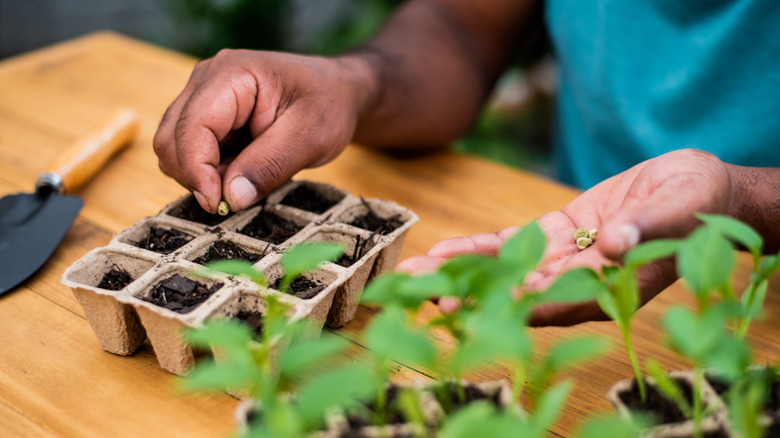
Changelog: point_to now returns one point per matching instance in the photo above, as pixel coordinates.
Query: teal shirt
(639, 78)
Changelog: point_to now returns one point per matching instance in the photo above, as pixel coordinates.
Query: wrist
(753, 200)
(362, 73)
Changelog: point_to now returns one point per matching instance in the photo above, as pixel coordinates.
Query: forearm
(755, 200)
(427, 73)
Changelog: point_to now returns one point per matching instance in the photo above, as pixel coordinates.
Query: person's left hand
(655, 199)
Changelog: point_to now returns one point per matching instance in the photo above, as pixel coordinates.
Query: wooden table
(54, 378)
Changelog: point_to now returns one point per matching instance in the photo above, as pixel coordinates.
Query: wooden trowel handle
(77, 164)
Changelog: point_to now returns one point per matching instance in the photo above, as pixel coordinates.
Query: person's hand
(655, 199)
(299, 112)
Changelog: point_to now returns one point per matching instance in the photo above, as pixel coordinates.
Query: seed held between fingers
(223, 208)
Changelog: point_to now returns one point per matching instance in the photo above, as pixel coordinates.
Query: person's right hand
(301, 112)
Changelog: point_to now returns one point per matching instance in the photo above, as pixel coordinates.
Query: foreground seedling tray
(141, 284)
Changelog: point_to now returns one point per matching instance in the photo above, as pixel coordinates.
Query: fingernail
(629, 237)
(201, 200)
(242, 192)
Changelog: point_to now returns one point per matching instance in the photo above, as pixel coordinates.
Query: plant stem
(518, 381)
(698, 377)
(640, 382)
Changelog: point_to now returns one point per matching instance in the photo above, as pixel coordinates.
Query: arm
(420, 81)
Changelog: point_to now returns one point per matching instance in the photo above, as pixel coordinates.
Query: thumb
(273, 158)
(665, 211)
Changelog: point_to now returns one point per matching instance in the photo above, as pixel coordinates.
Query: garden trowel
(32, 225)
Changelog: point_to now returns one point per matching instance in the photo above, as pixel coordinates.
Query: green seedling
(306, 257)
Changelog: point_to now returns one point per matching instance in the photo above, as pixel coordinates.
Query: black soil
(270, 227)
(164, 240)
(226, 250)
(191, 210)
(302, 287)
(361, 248)
(253, 320)
(449, 399)
(772, 404)
(180, 294)
(392, 414)
(371, 221)
(306, 198)
(664, 410)
(115, 279)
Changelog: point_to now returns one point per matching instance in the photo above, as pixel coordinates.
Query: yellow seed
(581, 232)
(593, 233)
(583, 242)
(223, 208)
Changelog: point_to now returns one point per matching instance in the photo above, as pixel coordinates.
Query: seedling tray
(167, 245)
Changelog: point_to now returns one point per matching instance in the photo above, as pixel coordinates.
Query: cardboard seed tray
(123, 319)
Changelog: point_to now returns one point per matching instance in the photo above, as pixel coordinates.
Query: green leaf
(219, 332)
(729, 357)
(769, 264)
(388, 337)
(211, 376)
(571, 352)
(481, 418)
(525, 249)
(695, 335)
(668, 387)
(612, 426)
(735, 230)
(651, 251)
(753, 299)
(306, 257)
(336, 388)
(384, 288)
(232, 267)
(705, 260)
(573, 286)
(301, 356)
(549, 407)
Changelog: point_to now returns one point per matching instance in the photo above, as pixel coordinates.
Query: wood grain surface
(54, 378)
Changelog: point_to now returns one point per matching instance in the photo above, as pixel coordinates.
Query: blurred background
(513, 129)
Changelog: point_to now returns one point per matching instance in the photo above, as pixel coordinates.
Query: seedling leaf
(336, 388)
(706, 260)
(573, 286)
(549, 407)
(525, 248)
(651, 251)
(735, 230)
(232, 267)
(301, 356)
(571, 352)
(388, 337)
(306, 257)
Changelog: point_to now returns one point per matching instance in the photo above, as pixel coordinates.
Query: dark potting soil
(302, 287)
(664, 410)
(270, 227)
(392, 414)
(306, 198)
(361, 248)
(115, 279)
(227, 250)
(180, 294)
(253, 320)
(721, 386)
(371, 221)
(449, 399)
(191, 210)
(164, 240)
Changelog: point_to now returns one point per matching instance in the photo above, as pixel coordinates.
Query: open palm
(655, 199)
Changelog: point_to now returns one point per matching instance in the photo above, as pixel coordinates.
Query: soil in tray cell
(191, 210)
(306, 198)
(253, 320)
(270, 227)
(664, 410)
(115, 279)
(227, 250)
(180, 294)
(450, 400)
(302, 287)
(361, 248)
(164, 240)
(371, 221)
(392, 414)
